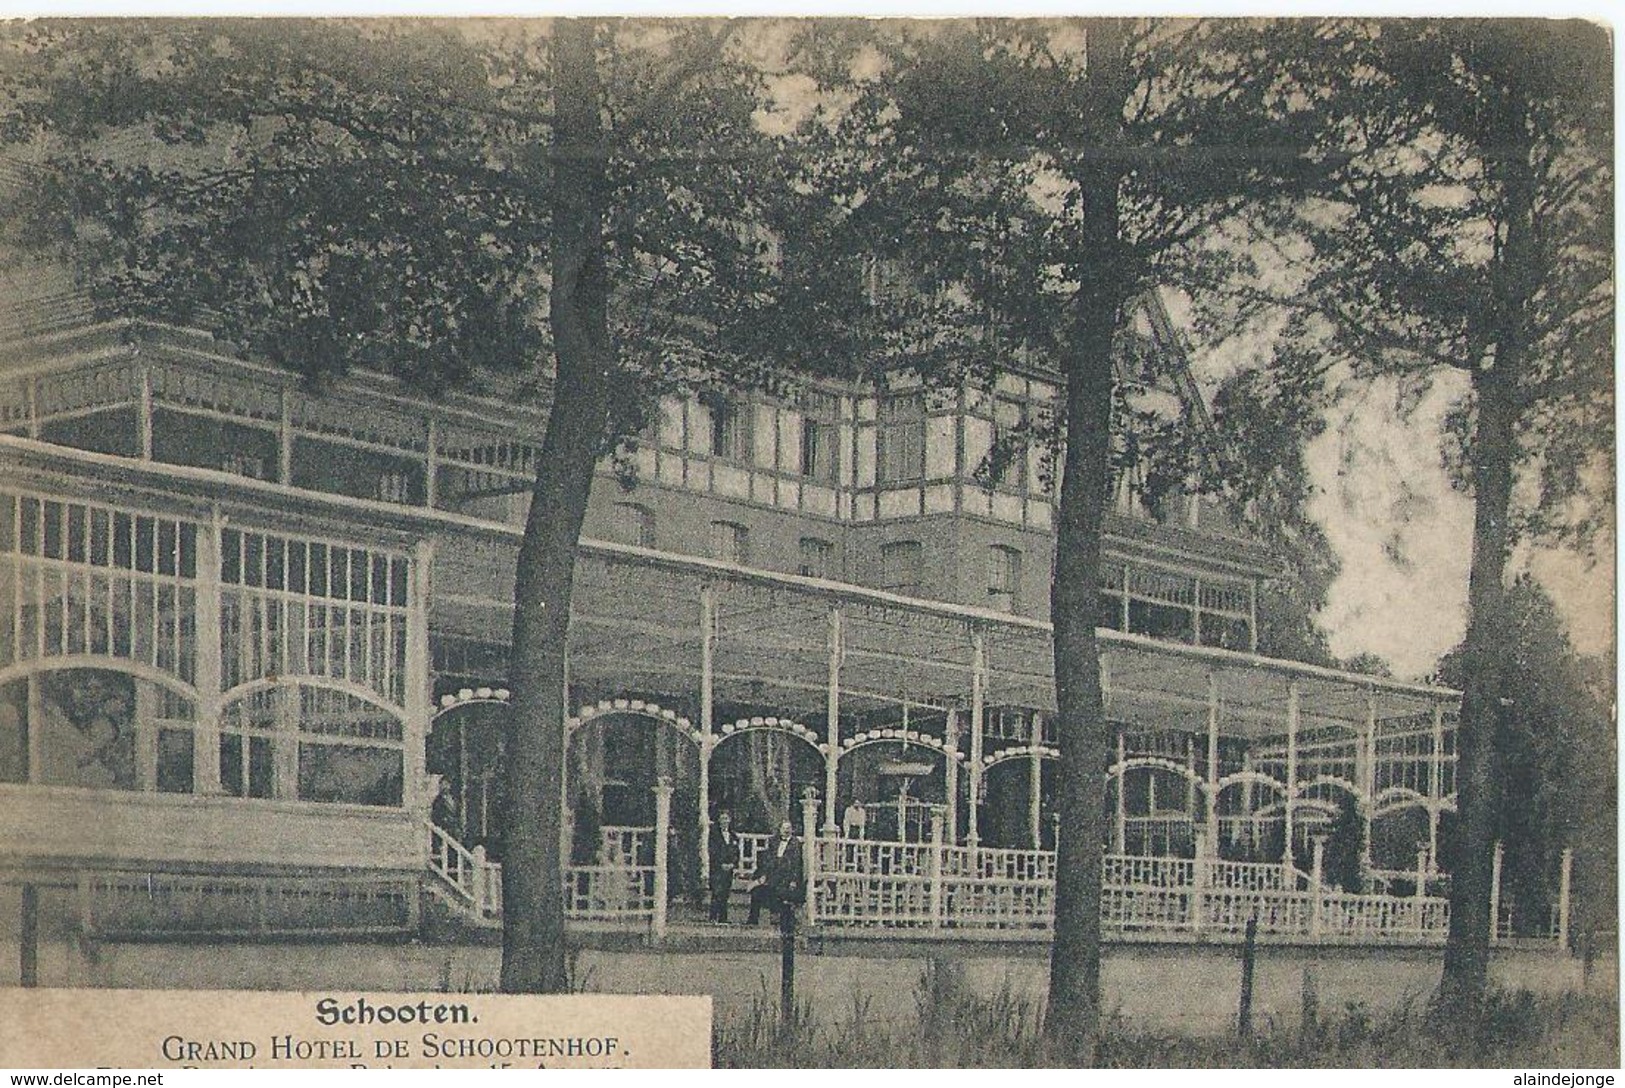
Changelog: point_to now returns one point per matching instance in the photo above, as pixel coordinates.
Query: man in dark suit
(780, 885)
(724, 852)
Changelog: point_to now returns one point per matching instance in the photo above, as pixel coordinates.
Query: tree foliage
(1467, 231)
(576, 206)
(1555, 787)
(1028, 180)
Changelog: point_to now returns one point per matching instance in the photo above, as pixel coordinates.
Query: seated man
(779, 878)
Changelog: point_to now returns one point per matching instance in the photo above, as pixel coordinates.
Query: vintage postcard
(808, 542)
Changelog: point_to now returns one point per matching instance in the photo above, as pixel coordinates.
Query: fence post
(1564, 884)
(662, 833)
(476, 880)
(1249, 954)
(1317, 867)
(1495, 892)
(1420, 899)
(28, 938)
(936, 868)
(809, 851)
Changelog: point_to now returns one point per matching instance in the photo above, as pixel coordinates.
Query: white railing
(609, 892)
(751, 845)
(474, 882)
(937, 887)
(623, 845)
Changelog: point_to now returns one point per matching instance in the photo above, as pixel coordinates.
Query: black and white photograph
(971, 542)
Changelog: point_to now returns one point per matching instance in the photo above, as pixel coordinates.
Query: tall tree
(1555, 774)
(1469, 234)
(1029, 179)
(573, 205)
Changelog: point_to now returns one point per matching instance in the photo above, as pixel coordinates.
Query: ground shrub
(955, 1027)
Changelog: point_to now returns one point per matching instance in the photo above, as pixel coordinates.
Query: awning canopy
(637, 627)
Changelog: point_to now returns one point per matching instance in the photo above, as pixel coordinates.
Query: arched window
(313, 744)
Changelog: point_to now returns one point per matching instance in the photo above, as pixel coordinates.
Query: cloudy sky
(1405, 539)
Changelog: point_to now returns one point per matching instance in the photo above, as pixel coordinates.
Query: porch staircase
(463, 881)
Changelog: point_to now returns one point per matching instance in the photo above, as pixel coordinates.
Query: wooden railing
(472, 884)
(942, 888)
(184, 904)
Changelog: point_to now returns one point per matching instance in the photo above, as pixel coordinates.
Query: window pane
(901, 439)
(900, 565)
(729, 542)
(1003, 577)
(816, 557)
(350, 774)
(231, 764)
(14, 732)
(174, 761)
(88, 729)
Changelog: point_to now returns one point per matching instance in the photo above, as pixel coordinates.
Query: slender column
(1190, 779)
(708, 634)
(1291, 767)
(1565, 880)
(431, 464)
(662, 856)
(284, 450)
(33, 408)
(1435, 785)
(832, 722)
(146, 739)
(1252, 618)
(1035, 772)
(144, 419)
(1196, 611)
(1124, 609)
(1495, 891)
(935, 868)
(419, 684)
(1213, 763)
(950, 771)
(809, 853)
(1120, 839)
(978, 691)
(1368, 777)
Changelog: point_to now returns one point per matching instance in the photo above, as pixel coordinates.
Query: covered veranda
(934, 722)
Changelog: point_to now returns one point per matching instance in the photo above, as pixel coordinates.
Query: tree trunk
(1497, 384)
(1467, 947)
(1072, 1020)
(533, 959)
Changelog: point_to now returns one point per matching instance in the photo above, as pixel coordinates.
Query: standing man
(725, 851)
(780, 885)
